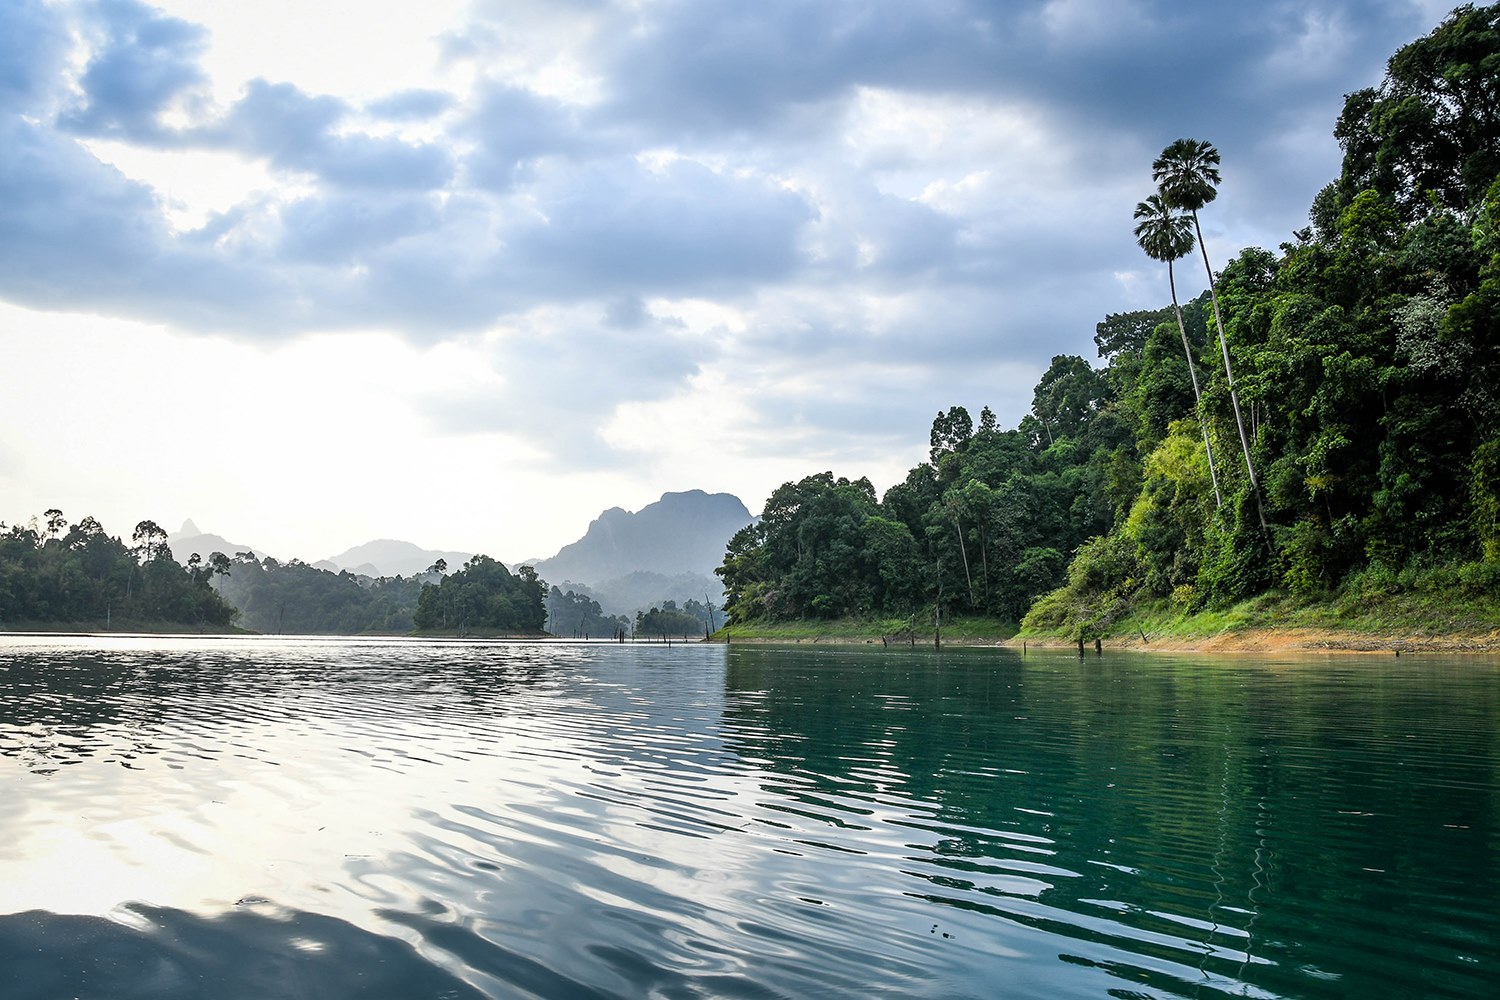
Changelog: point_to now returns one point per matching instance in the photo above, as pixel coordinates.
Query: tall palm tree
(1187, 172)
(1167, 236)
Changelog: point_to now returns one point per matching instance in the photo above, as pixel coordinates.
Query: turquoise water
(226, 818)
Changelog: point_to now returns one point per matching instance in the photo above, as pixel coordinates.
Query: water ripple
(558, 820)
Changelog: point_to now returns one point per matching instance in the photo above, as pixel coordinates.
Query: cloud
(142, 65)
(627, 227)
(410, 105)
(898, 201)
(298, 132)
(33, 47)
(554, 378)
(75, 233)
(513, 128)
(351, 228)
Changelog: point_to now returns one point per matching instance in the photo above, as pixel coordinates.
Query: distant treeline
(51, 572)
(56, 572)
(294, 597)
(1326, 414)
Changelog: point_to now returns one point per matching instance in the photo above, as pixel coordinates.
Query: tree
(1429, 135)
(1118, 333)
(1066, 398)
(951, 431)
(1187, 172)
(218, 565)
(1168, 236)
(150, 539)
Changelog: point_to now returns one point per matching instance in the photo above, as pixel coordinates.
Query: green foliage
(1484, 492)
(84, 575)
(578, 616)
(981, 530)
(484, 596)
(1365, 394)
(1429, 135)
(296, 598)
(692, 619)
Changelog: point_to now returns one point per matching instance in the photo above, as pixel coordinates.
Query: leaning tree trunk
(1187, 350)
(963, 551)
(1234, 398)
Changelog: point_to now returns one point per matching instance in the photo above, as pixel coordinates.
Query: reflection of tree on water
(58, 708)
(1154, 810)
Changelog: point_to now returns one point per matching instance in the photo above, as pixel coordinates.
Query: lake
(267, 818)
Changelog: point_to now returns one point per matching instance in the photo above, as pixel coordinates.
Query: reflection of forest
(1281, 818)
(58, 707)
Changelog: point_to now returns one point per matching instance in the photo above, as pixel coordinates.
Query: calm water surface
(268, 818)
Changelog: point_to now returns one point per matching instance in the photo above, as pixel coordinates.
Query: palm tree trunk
(963, 551)
(1234, 398)
(1187, 349)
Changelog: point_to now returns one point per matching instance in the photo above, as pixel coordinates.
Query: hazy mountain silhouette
(390, 557)
(682, 533)
(189, 539)
(640, 590)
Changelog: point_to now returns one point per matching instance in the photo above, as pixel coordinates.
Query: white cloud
(353, 49)
(195, 184)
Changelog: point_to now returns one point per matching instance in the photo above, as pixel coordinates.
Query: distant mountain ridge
(672, 546)
(391, 557)
(678, 534)
(382, 557)
(189, 539)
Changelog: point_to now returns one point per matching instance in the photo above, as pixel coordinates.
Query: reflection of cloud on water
(249, 953)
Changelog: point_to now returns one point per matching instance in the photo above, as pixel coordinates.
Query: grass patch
(1431, 601)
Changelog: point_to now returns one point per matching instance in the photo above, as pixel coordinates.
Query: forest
(1322, 418)
(53, 573)
(296, 598)
(56, 572)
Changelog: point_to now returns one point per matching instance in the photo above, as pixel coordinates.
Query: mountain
(189, 539)
(389, 557)
(642, 589)
(682, 533)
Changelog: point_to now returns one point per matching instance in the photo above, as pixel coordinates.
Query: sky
(468, 273)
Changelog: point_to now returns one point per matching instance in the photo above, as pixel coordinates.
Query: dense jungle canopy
(1347, 387)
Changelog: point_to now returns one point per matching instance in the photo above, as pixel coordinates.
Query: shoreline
(1250, 640)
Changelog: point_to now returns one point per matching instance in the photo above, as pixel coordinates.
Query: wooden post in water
(1098, 646)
